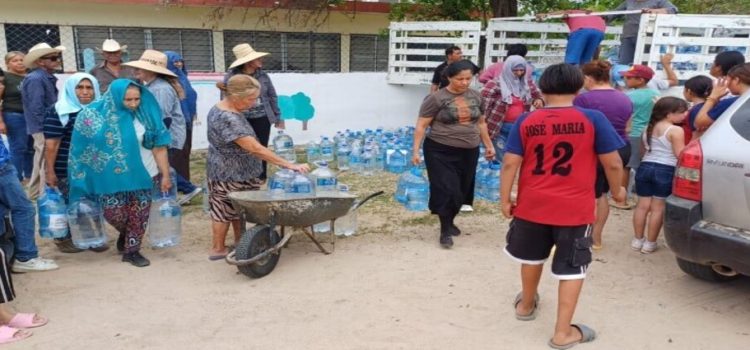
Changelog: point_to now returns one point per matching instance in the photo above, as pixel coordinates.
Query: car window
(741, 120)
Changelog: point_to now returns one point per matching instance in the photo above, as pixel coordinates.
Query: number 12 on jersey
(562, 152)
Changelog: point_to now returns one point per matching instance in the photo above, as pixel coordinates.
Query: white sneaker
(186, 198)
(466, 208)
(637, 244)
(648, 247)
(34, 265)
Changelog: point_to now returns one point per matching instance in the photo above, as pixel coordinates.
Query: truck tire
(253, 242)
(704, 272)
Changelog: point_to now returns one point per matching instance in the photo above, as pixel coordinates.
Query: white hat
(152, 61)
(244, 53)
(111, 45)
(38, 51)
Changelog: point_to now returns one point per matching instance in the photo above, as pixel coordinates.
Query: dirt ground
(389, 287)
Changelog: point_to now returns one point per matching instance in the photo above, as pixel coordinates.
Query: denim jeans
(582, 45)
(21, 144)
(627, 50)
(22, 212)
(500, 140)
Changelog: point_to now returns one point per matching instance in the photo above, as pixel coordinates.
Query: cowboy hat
(244, 53)
(38, 51)
(152, 61)
(111, 45)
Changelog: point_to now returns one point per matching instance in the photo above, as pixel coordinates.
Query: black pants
(262, 128)
(451, 171)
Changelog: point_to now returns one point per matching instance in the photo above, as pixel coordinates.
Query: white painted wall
(342, 101)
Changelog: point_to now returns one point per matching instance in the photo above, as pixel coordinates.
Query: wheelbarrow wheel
(253, 242)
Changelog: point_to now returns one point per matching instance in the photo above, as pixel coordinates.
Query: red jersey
(560, 148)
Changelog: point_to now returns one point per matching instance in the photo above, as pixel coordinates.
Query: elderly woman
(234, 157)
(118, 154)
(79, 90)
(457, 126)
(12, 121)
(266, 110)
(506, 98)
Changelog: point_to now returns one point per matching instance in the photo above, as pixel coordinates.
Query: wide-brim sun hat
(244, 53)
(38, 51)
(111, 45)
(152, 61)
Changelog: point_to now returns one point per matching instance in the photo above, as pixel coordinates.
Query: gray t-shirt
(632, 22)
(455, 117)
(227, 161)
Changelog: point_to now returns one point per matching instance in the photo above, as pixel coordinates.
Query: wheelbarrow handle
(359, 203)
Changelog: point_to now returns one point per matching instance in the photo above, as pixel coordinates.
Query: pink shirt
(592, 22)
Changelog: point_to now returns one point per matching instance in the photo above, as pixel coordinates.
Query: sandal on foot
(21, 320)
(11, 335)
(587, 335)
(532, 315)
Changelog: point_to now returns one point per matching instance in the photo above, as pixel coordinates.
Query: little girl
(696, 91)
(663, 141)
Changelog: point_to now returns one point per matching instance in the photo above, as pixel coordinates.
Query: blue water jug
(326, 150)
(417, 191)
(164, 223)
(53, 217)
(279, 183)
(313, 152)
(479, 181)
(156, 192)
(492, 182)
(325, 179)
(284, 146)
(86, 221)
(342, 156)
(396, 159)
(301, 186)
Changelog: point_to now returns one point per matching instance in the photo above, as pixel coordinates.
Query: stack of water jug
(487, 181)
(413, 190)
(84, 218)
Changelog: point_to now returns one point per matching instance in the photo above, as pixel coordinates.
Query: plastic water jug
(326, 150)
(400, 194)
(342, 156)
(86, 221)
(313, 152)
(355, 158)
(368, 161)
(300, 186)
(492, 182)
(347, 224)
(53, 216)
(156, 190)
(279, 183)
(479, 180)
(417, 191)
(396, 160)
(284, 146)
(325, 179)
(164, 223)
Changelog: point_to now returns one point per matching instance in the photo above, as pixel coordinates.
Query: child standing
(663, 141)
(643, 99)
(555, 151)
(697, 90)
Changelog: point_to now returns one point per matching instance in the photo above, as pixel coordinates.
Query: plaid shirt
(495, 108)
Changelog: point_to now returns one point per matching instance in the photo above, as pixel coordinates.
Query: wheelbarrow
(259, 248)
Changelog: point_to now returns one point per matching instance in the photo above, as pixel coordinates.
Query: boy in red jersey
(555, 151)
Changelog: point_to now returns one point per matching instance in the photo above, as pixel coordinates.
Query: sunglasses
(51, 58)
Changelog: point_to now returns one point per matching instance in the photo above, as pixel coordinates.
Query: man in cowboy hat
(39, 94)
(112, 67)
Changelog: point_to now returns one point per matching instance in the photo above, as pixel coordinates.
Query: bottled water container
(368, 161)
(479, 180)
(417, 191)
(313, 152)
(301, 186)
(400, 194)
(342, 156)
(53, 217)
(492, 182)
(347, 224)
(325, 180)
(396, 159)
(326, 150)
(355, 158)
(86, 220)
(279, 183)
(284, 146)
(156, 190)
(164, 228)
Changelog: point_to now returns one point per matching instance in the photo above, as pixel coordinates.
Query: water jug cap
(323, 164)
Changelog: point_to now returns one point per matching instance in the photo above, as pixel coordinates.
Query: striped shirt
(53, 129)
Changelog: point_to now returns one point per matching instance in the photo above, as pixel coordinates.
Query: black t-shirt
(441, 80)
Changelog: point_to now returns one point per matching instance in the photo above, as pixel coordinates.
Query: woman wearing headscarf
(266, 109)
(79, 90)
(180, 159)
(506, 98)
(118, 154)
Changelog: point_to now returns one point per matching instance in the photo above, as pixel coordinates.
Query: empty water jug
(156, 189)
(326, 150)
(284, 146)
(53, 217)
(301, 186)
(86, 221)
(342, 156)
(313, 152)
(417, 191)
(324, 180)
(279, 183)
(347, 224)
(164, 223)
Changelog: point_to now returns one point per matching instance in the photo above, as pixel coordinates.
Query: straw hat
(152, 61)
(244, 53)
(111, 45)
(38, 51)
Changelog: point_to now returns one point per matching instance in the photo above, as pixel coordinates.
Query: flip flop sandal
(12, 335)
(587, 335)
(21, 320)
(532, 315)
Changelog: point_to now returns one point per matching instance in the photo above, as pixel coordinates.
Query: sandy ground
(390, 287)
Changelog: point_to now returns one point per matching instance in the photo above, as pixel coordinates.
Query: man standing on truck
(629, 35)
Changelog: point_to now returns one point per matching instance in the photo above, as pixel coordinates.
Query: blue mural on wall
(297, 107)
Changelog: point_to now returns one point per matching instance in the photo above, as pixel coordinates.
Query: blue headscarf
(105, 156)
(189, 103)
(67, 101)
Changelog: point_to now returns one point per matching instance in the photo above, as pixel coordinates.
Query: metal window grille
(368, 53)
(289, 52)
(21, 37)
(195, 46)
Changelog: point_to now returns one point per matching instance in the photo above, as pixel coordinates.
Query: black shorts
(530, 243)
(601, 185)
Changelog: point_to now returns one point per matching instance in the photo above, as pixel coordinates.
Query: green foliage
(435, 10)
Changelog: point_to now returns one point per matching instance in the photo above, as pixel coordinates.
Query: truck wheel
(704, 272)
(253, 242)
